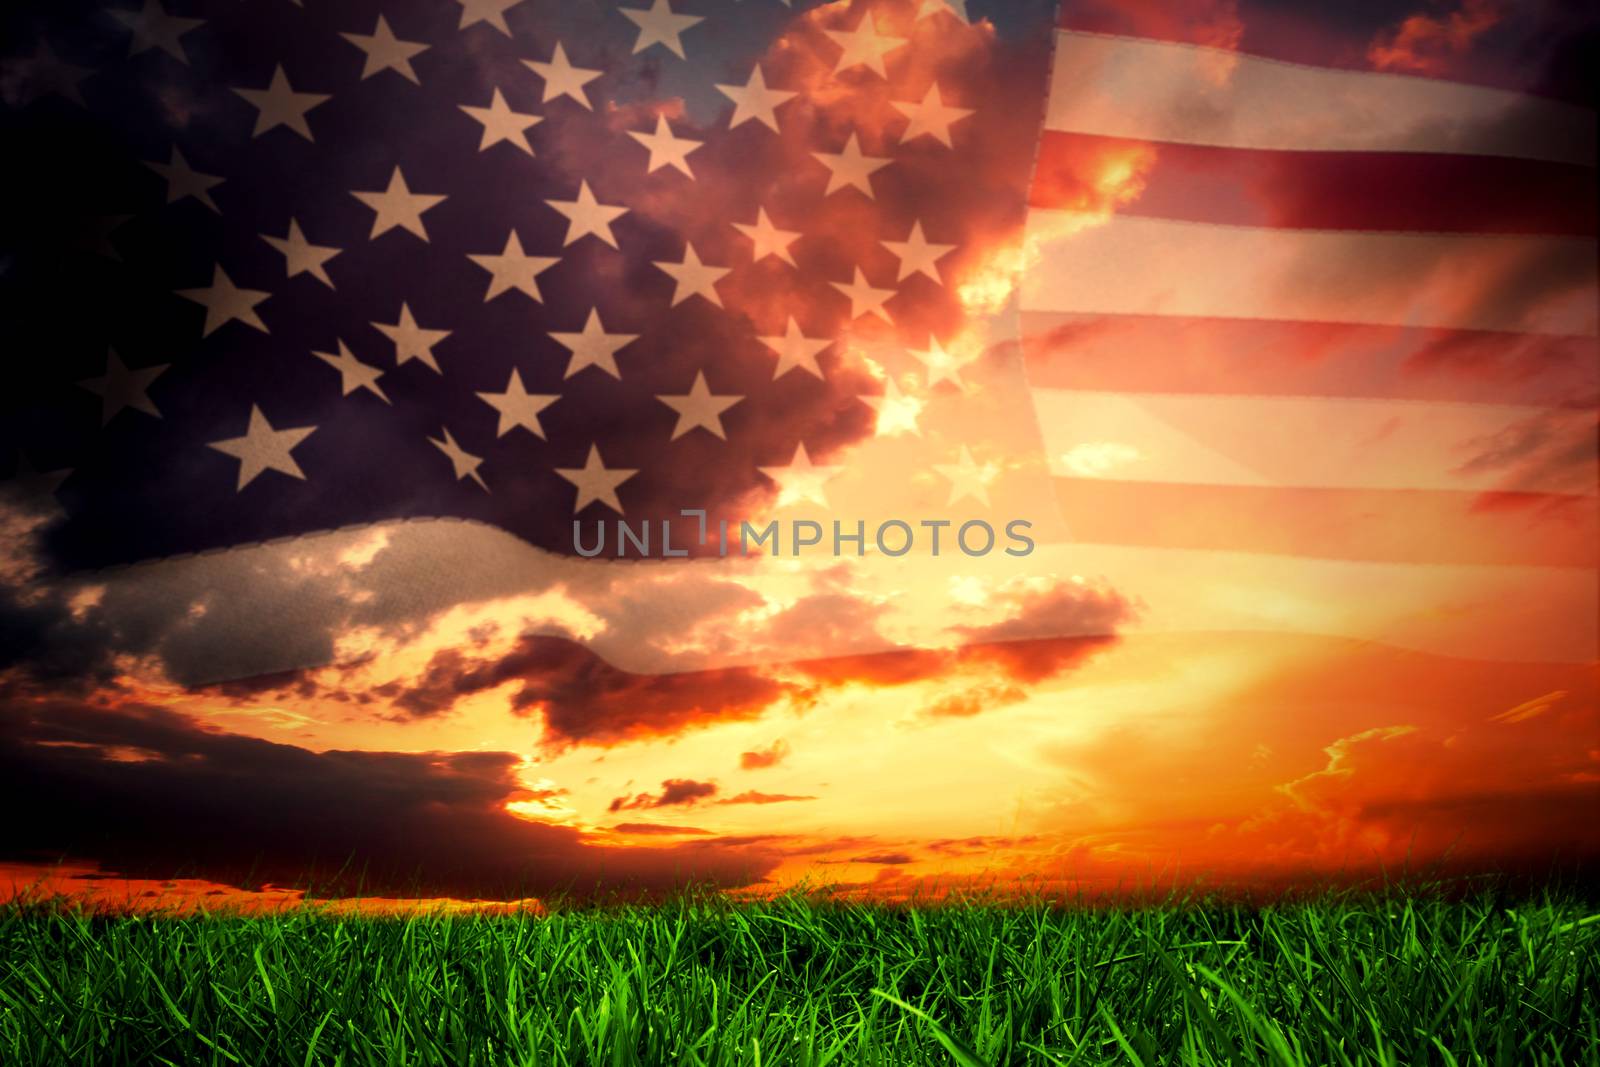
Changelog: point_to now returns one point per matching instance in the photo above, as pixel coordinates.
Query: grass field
(1344, 979)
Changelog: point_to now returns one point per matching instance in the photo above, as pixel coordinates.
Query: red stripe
(1391, 526)
(1363, 39)
(1149, 354)
(1314, 190)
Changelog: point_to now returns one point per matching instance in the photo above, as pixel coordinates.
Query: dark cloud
(650, 828)
(675, 792)
(893, 859)
(753, 797)
(770, 756)
(146, 792)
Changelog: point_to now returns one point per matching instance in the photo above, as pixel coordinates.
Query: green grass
(1343, 979)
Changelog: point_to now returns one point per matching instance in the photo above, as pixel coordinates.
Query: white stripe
(1190, 94)
(1125, 265)
(1311, 442)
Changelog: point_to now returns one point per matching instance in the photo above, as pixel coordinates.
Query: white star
(864, 299)
(593, 347)
(518, 407)
(33, 487)
(491, 11)
(385, 51)
(153, 28)
(693, 277)
(183, 180)
(561, 78)
(957, 8)
(917, 256)
(279, 105)
(595, 482)
(42, 75)
(659, 25)
(500, 123)
(301, 256)
(699, 407)
(967, 478)
(769, 240)
(262, 449)
(754, 100)
(851, 167)
(801, 479)
(121, 387)
(466, 465)
(353, 374)
(794, 349)
(512, 269)
(665, 149)
(412, 341)
(225, 302)
(864, 46)
(398, 206)
(930, 118)
(897, 412)
(942, 366)
(587, 215)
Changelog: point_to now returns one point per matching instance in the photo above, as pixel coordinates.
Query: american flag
(1276, 318)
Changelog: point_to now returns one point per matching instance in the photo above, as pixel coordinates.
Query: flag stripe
(1316, 190)
(1316, 442)
(1392, 526)
(1174, 354)
(1089, 263)
(1166, 91)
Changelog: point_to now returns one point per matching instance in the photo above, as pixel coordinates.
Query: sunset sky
(1300, 402)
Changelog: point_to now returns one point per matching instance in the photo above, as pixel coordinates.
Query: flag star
(851, 167)
(301, 256)
(699, 408)
(43, 74)
(587, 215)
(957, 8)
(183, 180)
(500, 123)
(279, 105)
(153, 28)
(465, 463)
(753, 100)
(385, 51)
(595, 482)
(398, 206)
(917, 255)
(593, 347)
(658, 25)
(897, 412)
(930, 118)
(967, 478)
(801, 479)
(262, 449)
(942, 366)
(225, 302)
(512, 269)
(561, 78)
(693, 277)
(94, 234)
(518, 407)
(769, 240)
(491, 11)
(31, 486)
(864, 299)
(412, 341)
(665, 149)
(353, 374)
(864, 46)
(794, 349)
(122, 387)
